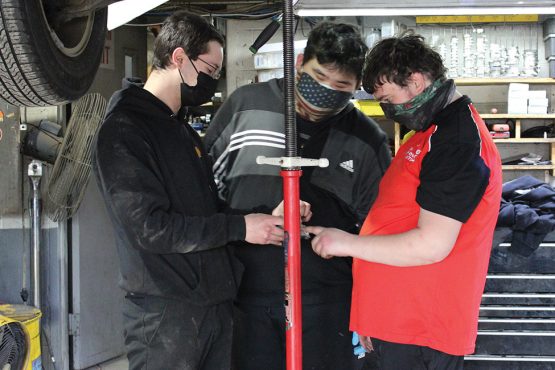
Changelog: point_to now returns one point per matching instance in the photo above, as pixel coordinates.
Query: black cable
(266, 34)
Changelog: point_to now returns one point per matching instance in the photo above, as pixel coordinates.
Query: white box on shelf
(538, 102)
(537, 109)
(517, 106)
(518, 87)
(268, 61)
(268, 74)
(270, 56)
(518, 98)
(537, 94)
(518, 95)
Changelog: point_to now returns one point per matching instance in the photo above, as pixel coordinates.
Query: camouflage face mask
(417, 113)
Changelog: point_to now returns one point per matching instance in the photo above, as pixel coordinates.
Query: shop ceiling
(423, 7)
(350, 4)
(363, 7)
(261, 9)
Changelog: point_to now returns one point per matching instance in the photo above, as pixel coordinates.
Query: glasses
(215, 75)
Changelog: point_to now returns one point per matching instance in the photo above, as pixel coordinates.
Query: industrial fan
(70, 154)
(19, 337)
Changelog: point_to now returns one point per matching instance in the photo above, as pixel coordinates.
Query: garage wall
(124, 41)
(240, 34)
(91, 250)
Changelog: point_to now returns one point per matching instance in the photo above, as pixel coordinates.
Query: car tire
(42, 65)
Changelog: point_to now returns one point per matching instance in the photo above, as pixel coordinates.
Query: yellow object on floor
(29, 318)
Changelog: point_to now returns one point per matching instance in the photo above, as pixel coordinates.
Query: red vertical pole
(293, 304)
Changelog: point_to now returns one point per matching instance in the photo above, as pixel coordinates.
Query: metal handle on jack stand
(293, 162)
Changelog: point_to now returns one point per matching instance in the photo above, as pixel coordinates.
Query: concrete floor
(119, 363)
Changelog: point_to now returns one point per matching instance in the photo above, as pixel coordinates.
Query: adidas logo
(348, 165)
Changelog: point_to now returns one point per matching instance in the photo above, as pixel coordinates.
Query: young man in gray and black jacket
(250, 123)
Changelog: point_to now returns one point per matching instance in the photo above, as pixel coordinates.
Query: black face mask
(202, 92)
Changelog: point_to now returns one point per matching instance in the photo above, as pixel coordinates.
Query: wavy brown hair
(395, 59)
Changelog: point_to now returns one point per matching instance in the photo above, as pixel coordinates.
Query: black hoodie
(171, 229)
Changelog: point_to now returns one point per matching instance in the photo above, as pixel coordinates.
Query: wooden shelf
(518, 116)
(495, 116)
(503, 81)
(530, 140)
(528, 167)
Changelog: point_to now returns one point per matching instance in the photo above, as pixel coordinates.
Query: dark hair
(182, 29)
(338, 44)
(394, 59)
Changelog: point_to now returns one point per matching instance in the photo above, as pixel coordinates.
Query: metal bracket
(74, 323)
(34, 170)
(293, 162)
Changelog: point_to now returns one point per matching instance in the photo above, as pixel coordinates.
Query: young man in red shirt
(421, 259)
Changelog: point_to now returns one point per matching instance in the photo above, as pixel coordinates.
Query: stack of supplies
(537, 102)
(500, 131)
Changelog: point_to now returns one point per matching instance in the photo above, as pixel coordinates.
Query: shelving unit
(517, 139)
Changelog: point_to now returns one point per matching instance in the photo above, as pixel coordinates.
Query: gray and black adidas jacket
(249, 124)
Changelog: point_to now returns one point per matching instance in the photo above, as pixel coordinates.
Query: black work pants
(259, 337)
(169, 334)
(396, 356)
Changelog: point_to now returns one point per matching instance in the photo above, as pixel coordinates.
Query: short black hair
(337, 44)
(186, 30)
(395, 59)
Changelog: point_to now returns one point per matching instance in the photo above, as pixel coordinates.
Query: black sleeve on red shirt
(453, 180)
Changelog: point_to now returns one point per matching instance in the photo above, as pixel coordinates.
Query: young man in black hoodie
(172, 231)
(250, 123)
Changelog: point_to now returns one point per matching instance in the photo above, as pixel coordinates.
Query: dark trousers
(259, 337)
(169, 334)
(396, 356)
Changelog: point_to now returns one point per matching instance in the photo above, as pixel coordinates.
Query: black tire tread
(18, 62)
(32, 71)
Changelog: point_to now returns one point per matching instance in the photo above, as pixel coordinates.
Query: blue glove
(358, 351)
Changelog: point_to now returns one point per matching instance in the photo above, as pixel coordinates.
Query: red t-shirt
(453, 169)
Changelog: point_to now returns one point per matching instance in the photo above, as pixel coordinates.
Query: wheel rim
(70, 37)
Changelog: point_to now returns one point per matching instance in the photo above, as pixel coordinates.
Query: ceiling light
(414, 11)
(123, 11)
